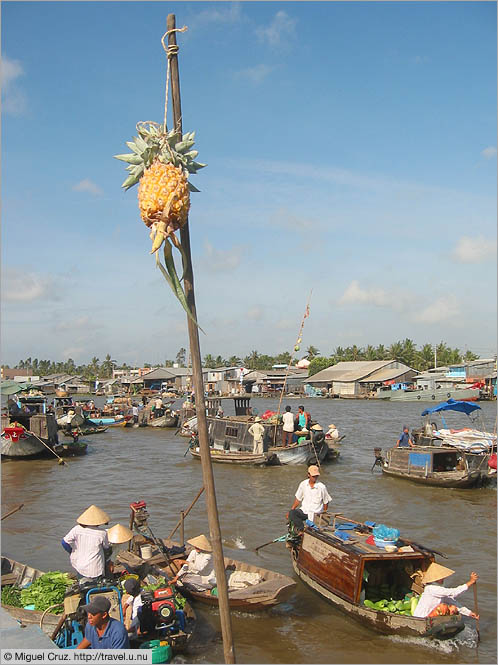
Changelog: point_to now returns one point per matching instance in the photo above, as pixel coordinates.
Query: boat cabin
(424, 461)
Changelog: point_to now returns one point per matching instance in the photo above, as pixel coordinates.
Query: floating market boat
(297, 453)
(29, 431)
(429, 465)
(342, 566)
(237, 458)
(432, 394)
(167, 420)
(475, 444)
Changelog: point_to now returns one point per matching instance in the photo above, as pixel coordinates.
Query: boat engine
(379, 460)
(158, 611)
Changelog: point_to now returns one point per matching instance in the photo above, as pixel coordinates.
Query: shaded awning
(453, 405)
(13, 387)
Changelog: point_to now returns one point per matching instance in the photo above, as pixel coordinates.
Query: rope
(48, 610)
(171, 50)
(61, 461)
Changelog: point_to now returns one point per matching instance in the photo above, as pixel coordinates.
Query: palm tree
(251, 361)
(339, 353)
(371, 353)
(107, 367)
(234, 361)
(381, 352)
(396, 351)
(409, 352)
(219, 361)
(209, 361)
(312, 352)
(181, 357)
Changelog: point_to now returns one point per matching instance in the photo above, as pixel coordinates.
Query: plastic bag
(383, 532)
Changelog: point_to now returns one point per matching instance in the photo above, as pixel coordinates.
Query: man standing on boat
(405, 440)
(303, 420)
(88, 545)
(257, 431)
(312, 495)
(288, 428)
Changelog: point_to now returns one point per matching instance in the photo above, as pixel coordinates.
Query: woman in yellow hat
(435, 594)
(88, 545)
(197, 571)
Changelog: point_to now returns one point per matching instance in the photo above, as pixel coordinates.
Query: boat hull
(25, 447)
(386, 622)
(236, 458)
(436, 395)
(165, 421)
(453, 480)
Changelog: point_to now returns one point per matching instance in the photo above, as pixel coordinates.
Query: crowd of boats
(339, 558)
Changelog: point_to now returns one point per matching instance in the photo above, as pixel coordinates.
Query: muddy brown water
(124, 465)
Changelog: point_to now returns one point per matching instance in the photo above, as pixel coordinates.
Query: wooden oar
(61, 461)
(14, 510)
(476, 611)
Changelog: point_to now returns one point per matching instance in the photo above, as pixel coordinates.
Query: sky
(350, 151)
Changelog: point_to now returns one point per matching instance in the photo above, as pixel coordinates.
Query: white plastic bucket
(146, 551)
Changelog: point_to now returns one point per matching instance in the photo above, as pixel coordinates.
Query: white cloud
(87, 186)
(256, 313)
(440, 310)
(474, 249)
(13, 98)
(255, 74)
(74, 324)
(219, 260)
(22, 286)
(221, 13)
(73, 352)
(355, 295)
(281, 30)
(489, 152)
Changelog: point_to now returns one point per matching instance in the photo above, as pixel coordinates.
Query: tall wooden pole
(202, 429)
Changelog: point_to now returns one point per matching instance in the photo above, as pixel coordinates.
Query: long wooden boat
(430, 465)
(337, 571)
(22, 575)
(236, 458)
(268, 588)
(109, 421)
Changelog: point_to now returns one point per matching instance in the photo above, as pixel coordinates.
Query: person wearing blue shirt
(102, 631)
(405, 440)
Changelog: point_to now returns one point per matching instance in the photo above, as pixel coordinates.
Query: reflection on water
(125, 465)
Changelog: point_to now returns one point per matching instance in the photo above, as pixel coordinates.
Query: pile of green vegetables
(406, 607)
(47, 590)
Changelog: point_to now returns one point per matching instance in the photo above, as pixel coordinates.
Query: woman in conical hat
(197, 571)
(119, 534)
(88, 545)
(436, 595)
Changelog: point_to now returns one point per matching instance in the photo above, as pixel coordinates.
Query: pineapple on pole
(161, 162)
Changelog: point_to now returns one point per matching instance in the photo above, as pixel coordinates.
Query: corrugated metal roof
(350, 370)
(385, 374)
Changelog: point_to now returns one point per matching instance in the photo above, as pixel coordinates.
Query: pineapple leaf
(133, 146)
(130, 158)
(177, 288)
(141, 144)
(192, 154)
(193, 188)
(129, 182)
(198, 165)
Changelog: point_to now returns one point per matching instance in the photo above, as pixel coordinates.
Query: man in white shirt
(88, 545)
(312, 495)
(434, 594)
(288, 427)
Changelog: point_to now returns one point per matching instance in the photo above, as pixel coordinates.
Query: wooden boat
(237, 458)
(168, 420)
(70, 448)
(24, 434)
(271, 588)
(434, 394)
(22, 575)
(430, 465)
(110, 421)
(336, 570)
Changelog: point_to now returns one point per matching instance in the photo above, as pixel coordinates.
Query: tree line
(406, 351)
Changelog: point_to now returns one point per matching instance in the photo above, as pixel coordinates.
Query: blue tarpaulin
(419, 459)
(453, 405)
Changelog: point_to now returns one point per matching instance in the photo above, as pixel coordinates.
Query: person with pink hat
(312, 495)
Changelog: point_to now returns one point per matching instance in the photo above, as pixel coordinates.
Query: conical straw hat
(436, 572)
(93, 516)
(119, 534)
(201, 542)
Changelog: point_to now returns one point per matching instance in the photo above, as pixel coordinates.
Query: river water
(124, 465)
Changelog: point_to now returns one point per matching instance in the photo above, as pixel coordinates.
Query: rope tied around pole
(171, 51)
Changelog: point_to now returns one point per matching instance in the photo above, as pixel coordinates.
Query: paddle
(281, 539)
(14, 510)
(476, 611)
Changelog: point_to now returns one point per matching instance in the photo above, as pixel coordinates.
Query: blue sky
(351, 150)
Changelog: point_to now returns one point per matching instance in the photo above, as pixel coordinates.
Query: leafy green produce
(47, 590)
(161, 583)
(11, 596)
